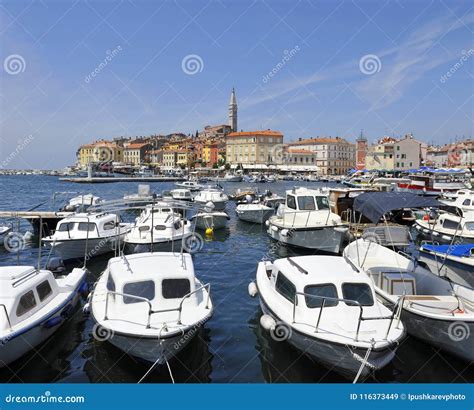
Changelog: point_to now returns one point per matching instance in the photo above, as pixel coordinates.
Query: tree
(227, 166)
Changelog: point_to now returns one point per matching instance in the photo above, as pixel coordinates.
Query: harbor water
(231, 347)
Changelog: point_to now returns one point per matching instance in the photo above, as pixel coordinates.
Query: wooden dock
(47, 219)
(108, 180)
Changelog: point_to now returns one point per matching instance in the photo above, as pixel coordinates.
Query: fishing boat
(35, 304)
(160, 226)
(434, 308)
(260, 210)
(181, 194)
(209, 218)
(214, 195)
(80, 203)
(87, 234)
(191, 185)
(433, 181)
(446, 228)
(322, 306)
(306, 221)
(456, 262)
(150, 305)
(229, 177)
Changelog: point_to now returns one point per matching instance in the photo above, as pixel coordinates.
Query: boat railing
(6, 315)
(151, 312)
(353, 303)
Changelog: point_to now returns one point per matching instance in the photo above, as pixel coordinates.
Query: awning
(374, 205)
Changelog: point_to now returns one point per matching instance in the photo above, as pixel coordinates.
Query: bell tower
(233, 111)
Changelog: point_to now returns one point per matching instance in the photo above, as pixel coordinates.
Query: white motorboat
(216, 196)
(229, 177)
(256, 212)
(144, 196)
(306, 221)
(209, 218)
(81, 203)
(87, 235)
(322, 306)
(447, 228)
(462, 201)
(453, 261)
(159, 226)
(150, 305)
(181, 194)
(34, 305)
(435, 309)
(191, 185)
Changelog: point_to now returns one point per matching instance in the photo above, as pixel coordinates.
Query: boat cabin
(304, 199)
(311, 280)
(85, 225)
(24, 290)
(162, 278)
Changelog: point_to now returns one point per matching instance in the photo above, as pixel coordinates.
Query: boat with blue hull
(453, 261)
(33, 305)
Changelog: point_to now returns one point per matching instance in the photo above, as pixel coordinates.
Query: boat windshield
(314, 295)
(359, 292)
(66, 226)
(322, 202)
(306, 203)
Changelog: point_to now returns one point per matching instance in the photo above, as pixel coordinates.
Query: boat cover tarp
(374, 205)
(454, 250)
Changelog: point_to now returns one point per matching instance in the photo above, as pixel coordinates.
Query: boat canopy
(454, 250)
(374, 205)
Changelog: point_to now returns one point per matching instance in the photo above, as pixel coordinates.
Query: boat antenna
(40, 237)
(152, 227)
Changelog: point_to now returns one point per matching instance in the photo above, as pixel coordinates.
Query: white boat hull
(16, 345)
(80, 248)
(340, 358)
(454, 336)
(211, 221)
(328, 239)
(218, 205)
(458, 272)
(255, 216)
(152, 349)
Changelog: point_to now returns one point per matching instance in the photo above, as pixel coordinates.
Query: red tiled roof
(264, 133)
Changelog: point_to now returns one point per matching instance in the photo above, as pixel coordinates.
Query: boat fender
(86, 309)
(284, 232)
(252, 289)
(446, 238)
(274, 229)
(54, 321)
(267, 223)
(209, 231)
(267, 322)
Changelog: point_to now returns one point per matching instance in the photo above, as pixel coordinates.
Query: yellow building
(100, 152)
(253, 147)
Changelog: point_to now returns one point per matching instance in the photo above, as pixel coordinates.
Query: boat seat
(433, 303)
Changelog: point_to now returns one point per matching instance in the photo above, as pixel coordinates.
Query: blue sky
(337, 68)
